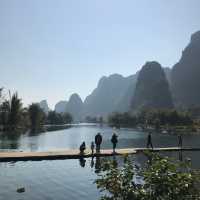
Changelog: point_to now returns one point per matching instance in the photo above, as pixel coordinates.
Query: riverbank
(165, 129)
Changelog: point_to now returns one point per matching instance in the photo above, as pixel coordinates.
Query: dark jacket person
(149, 141)
(82, 148)
(114, 141)
(180, 141)
(98, 141)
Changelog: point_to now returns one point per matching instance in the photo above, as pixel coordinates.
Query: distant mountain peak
(111, 94)
(44, 106)
(195, 37)
(75, 97)
(60, 107)
(185, 75)
(43, 102)
(152, 88)
(74, 107)
(115, 76)
(152, 65)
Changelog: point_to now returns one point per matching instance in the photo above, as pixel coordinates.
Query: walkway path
(74, 154)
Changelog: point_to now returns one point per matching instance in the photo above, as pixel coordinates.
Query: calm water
(70, 179)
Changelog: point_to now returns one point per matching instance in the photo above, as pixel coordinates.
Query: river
(71, 179)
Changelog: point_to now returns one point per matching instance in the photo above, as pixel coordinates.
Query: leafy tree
(54, 118)
(1, 97)
(90, 119)
(15, 111)
(36, 115)
(122, 119)
(164, 117)
(67, 118)
(4, 113)
(12, 115)
(163, 178)
(116, 181)
(25, 119)
(59, 119)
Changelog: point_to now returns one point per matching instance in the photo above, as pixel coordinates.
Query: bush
(164, 179)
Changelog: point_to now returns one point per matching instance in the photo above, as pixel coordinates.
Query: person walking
(180, 141)
(149, 141)
(98, 141)
(92, 147)
(114, 141)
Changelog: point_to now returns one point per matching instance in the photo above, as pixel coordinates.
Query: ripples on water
(60, 179)
(71, 179)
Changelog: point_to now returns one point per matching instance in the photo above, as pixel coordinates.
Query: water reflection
(98, 165)
(35, 132)
(82, 161)
(115, 163)
(92, 162)
(9, 140)
(180, 155)
(56, 127)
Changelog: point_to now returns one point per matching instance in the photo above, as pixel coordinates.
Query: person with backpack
(114, 141)
(98, 141)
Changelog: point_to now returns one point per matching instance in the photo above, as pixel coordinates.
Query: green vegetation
(163, 179)
(36, 116)
(14, 117)
(12, 113)
(164, 117)
(152, 117)
(122, 119)
(89, 119)
(15, 111)
(59, 118)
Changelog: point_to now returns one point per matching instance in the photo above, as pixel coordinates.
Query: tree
(54, 118)
(167, 179)
(1, 90)
(36, 115)
(58, 118)
(12, 114)
(25, 119)
(163, 178)
(116, 181)
(67, 118)
(121, 119)
(15, 111)
(4, 113)
(90, 119)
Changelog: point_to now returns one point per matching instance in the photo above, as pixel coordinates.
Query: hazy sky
(50, 49)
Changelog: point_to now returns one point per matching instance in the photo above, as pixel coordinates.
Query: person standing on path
(149, 141)
(114, 141)
(180, 141)
(98, 141)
